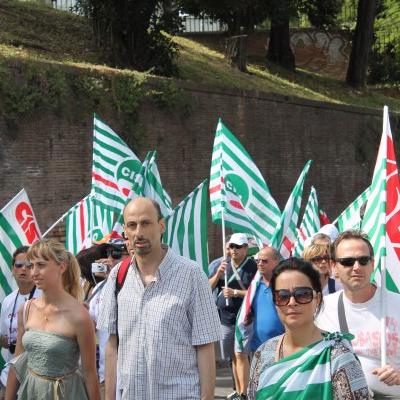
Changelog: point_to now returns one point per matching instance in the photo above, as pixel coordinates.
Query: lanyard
(236, 273)
(13, 310)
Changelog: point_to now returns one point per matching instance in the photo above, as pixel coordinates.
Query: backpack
(122, 273)
(121, 276)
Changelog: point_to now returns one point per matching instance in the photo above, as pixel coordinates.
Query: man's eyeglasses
(350, 261)
(302, 295)
(319, 259)
(235, 246)
(261, 261)
(21, 264)
(114, 253)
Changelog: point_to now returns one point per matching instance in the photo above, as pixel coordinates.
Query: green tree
(132, 32)
(361, 44)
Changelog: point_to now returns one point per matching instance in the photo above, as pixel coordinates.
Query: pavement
(223, 385)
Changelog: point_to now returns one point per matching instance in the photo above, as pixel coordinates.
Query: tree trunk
(361, 46)
(279, 51)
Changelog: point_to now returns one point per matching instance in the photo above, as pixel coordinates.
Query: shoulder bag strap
(342, 315)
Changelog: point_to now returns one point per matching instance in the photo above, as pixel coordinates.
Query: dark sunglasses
(261, 261)
(235, 246)
(350, 261)
(114, 253)
(319, 259)
(302, 295)
(21, 264)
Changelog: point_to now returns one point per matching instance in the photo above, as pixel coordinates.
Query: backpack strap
(119, 283)
(342, 315)
(122, 273)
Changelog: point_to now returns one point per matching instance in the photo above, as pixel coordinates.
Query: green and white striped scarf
(303, 375)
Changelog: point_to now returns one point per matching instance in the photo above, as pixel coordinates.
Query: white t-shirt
(363, 320)
(102, 336)
(7, 308)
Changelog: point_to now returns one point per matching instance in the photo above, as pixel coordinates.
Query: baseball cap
(117, 242)
(330, 230)
(238, 238)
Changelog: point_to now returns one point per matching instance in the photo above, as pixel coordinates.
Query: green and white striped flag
(309, 225)
(152, 186)
(285, 233)
(114, 167)
(80, 230)
(147, 183)
(186, 227)
(306, 374)
(382, 215)
(18, 227)
(350, 218)
(232, 168)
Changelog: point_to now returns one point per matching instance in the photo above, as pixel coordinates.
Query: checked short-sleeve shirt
(159, 326)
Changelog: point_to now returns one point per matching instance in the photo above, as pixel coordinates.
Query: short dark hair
(19, 250)
(300, 265)
(158, 209)
(275, 253)
(353, 234)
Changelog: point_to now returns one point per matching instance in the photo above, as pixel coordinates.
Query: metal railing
(201, 25)
(386, 36)
(65, 5)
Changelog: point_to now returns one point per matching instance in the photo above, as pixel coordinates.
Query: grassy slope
(37, 33)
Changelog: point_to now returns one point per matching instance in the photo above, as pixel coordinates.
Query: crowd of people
(313, 330)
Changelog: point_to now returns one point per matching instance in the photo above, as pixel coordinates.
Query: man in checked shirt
(167, 320)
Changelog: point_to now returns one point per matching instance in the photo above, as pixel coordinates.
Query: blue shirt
(266, 323)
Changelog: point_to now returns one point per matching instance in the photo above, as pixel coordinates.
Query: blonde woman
(54, 332)
(319, 255)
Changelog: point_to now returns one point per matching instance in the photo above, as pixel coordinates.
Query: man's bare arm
(206, 365)
(111, 367)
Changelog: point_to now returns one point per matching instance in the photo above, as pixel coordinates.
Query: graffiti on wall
(320, 51)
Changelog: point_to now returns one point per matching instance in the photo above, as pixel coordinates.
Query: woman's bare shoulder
(78, 313)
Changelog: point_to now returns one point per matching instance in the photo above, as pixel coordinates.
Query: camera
(11, 347)
(98, 267)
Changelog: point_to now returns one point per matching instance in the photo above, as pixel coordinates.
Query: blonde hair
(51, 249)
(316, 250)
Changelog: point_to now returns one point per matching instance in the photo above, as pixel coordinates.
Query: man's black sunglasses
(350, 261)
(235, 246)
(21, 264)
(114, 253)
(302, 295)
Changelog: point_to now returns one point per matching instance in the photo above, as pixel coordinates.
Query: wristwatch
(235, 293)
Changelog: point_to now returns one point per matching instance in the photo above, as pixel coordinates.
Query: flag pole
(383, 260)
(383, 311)
(55, 224)
(224, 252)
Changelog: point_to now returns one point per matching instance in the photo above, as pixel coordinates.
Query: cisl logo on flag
(237, 185)
(126, 171)
(18, 227)
(26, 219)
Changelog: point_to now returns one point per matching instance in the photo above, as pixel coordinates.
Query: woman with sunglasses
(304, 362)
(319, 255)
(8, 327)
(54, 332)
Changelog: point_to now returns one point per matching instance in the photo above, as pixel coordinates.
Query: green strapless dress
(49, 368)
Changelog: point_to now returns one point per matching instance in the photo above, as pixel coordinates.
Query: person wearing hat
(240, 271)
